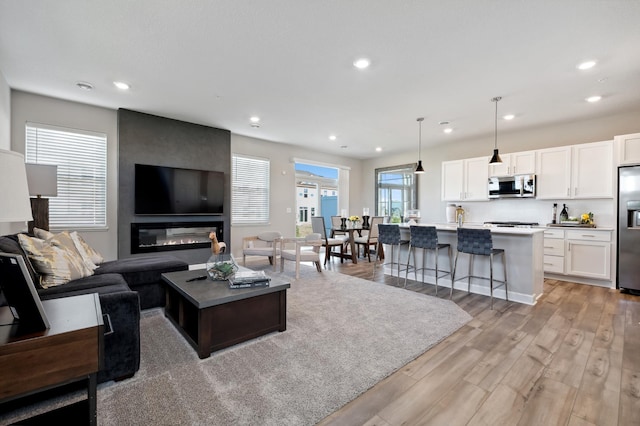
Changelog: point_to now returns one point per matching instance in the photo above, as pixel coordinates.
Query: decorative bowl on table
(221, 267)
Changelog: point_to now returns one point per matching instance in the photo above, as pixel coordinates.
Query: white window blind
(250, 189)
(81, 157)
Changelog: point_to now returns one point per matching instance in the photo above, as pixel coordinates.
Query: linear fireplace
(168, 236)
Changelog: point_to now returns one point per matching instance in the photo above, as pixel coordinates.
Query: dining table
(351, 231)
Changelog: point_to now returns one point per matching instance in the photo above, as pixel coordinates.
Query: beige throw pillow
(64, 240)
(42, 234)
(56, 264)
(86, 250)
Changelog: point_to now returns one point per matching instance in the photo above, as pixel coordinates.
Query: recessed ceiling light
(448, 130)
(362, 63)
(121, 85)
(84, 85)
(593, 98)
(378, 149)
(586, 65)
(254, 119)
(508, 117)
(332, 137)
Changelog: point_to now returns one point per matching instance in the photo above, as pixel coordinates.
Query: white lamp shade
(42, 179)
(14, 192)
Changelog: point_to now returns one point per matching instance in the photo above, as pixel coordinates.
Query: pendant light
(495, 159)
(419, 169)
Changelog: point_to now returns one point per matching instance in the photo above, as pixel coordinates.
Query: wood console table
(70, 351)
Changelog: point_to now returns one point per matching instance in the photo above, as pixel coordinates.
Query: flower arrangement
(586, 218)
(354, 218)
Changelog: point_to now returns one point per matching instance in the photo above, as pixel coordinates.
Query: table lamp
(14, 191)
(43, 180)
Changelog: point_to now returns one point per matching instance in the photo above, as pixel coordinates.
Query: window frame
(253, 185)
(405, 169)
(81, 160)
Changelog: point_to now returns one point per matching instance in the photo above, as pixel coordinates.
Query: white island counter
(523, 249)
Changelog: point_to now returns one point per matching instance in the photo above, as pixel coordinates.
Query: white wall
(5, 114)
(5, 141)
(283, 190)
(433, 209)
(42, 109)
(30, 107)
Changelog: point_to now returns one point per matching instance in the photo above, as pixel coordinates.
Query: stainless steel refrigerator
(629, 228)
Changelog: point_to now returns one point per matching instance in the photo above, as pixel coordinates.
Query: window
(250, 190)
(81, 157)
(396, 191)
(303, 214)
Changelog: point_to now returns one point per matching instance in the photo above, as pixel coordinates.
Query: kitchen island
(524, 252)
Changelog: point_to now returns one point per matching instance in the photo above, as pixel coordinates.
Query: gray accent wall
(149, 139)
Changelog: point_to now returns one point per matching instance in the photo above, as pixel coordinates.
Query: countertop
(494, 229)
(505, 230)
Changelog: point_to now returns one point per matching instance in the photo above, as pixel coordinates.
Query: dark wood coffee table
(211, 316)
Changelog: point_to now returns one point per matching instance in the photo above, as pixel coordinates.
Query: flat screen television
(163, 190)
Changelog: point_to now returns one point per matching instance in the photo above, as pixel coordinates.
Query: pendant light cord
(420, 120)
(420, 139)
(495, 131)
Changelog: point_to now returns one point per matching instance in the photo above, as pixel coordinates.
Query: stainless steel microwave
(517, 186)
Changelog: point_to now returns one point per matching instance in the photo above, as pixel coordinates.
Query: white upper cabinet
(516, 163)
(592, 170)
(452, 180)
(628, 148)
(465, 180)
(578, 171)
(553, 175)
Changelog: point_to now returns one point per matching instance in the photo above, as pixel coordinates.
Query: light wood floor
(573, 359)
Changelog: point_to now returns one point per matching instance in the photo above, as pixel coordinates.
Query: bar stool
(426, 238)
(479, 242)
(389, 235)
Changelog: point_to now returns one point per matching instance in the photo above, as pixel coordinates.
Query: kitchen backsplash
(533, 210)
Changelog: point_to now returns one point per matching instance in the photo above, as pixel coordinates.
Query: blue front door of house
(328, 208)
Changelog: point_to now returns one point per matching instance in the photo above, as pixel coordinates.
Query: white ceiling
(218, 62)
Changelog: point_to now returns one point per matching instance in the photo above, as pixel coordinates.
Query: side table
(70, 351)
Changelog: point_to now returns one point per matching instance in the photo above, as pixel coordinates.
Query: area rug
(344, 335)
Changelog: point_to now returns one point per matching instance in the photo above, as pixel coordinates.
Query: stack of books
(248, 279)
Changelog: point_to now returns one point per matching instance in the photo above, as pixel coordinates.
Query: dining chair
(263, 244)
(478, 242)
(317, 226)
(301, 249)
(370, 238)
(336, 223)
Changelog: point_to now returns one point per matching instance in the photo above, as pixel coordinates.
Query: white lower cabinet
(554, 251)
(581, 253)
(588, 254)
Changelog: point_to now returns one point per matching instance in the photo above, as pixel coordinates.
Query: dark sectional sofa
(124, 287)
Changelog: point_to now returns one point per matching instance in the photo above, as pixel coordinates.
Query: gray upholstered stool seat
(426, 239)
(478, 242)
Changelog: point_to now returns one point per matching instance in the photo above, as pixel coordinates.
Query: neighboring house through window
(81, 157)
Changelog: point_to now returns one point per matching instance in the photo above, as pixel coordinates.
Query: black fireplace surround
(153, 237)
